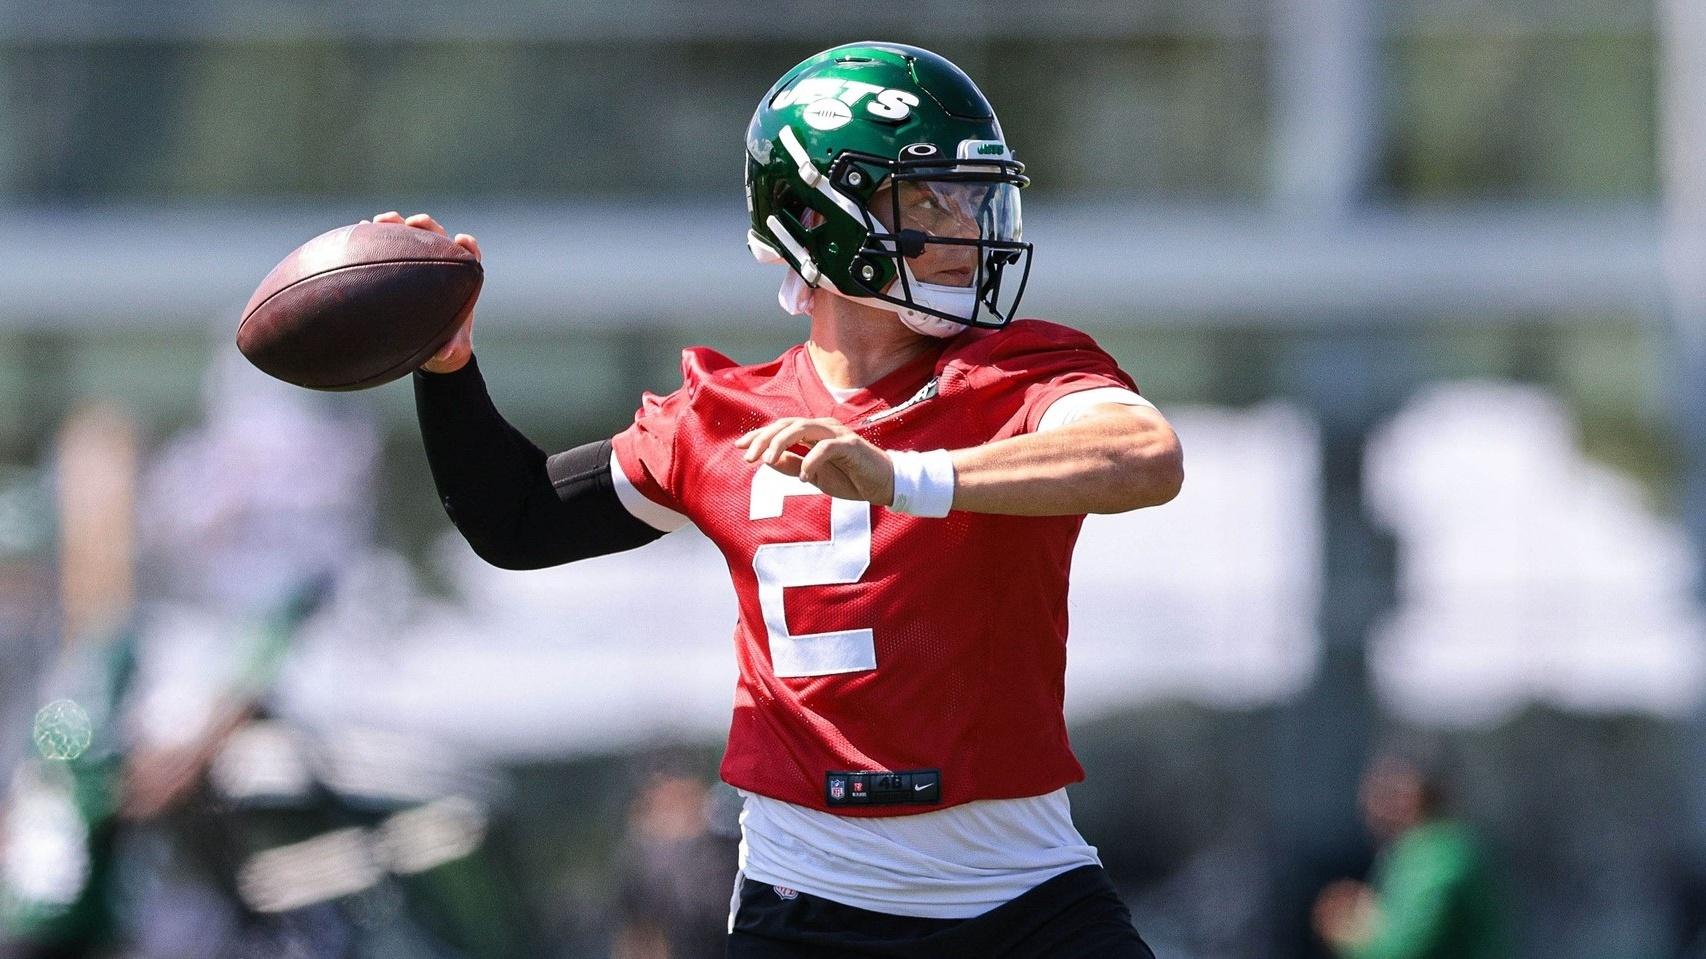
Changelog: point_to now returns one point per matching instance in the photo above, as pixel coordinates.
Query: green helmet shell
(832, 130)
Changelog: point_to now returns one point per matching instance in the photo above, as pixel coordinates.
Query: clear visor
(929, 216)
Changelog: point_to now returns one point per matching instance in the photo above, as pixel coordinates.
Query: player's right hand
(455, 354)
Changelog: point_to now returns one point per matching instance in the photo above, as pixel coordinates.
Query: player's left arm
(1110, 459)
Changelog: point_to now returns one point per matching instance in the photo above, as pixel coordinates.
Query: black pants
(1075, 915)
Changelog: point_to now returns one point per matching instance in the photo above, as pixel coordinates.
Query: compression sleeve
(516, 507)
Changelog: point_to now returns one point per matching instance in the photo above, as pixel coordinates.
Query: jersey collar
(896, 387)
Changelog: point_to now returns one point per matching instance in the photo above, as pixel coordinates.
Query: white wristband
(923, 483)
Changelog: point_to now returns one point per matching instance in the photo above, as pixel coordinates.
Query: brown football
(358, 306)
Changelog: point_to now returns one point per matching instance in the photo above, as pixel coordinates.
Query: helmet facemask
(950, 235)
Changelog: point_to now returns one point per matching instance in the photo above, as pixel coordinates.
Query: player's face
(940, 210)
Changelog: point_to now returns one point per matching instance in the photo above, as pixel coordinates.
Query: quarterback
(897, 499)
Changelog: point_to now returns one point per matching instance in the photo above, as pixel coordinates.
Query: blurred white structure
(1212, 597)
(1526, 571)
(1149, 263)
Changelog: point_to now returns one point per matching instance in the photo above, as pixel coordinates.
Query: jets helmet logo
(832, 100)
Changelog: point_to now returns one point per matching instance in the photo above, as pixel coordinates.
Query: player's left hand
(835, 459)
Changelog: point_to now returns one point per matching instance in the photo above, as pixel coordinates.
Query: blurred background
(1421, 285)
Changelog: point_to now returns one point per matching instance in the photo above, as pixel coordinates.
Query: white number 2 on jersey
(842, 558)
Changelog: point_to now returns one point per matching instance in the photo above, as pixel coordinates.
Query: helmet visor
(943, 226)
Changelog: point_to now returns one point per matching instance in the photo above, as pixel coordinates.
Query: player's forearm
(1101, 464)
(489, 477)
(517, 508)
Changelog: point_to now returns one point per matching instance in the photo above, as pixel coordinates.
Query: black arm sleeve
(517, 508)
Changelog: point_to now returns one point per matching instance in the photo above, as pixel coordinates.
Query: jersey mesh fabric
(967, 612)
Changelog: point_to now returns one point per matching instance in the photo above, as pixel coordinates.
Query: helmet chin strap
(959, 301)
(929, 325)
(796, 297)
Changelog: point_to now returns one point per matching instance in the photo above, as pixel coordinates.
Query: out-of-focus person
(673, 893)
(1433, 895)
(185, 804)
(277, 830)
(57, 812)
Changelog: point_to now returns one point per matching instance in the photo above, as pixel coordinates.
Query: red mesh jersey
(868, 639)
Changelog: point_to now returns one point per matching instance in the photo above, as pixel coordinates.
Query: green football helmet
(878, 171)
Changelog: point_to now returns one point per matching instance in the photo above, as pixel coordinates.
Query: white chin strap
(925, 323)
(795, 296)
(955, 300)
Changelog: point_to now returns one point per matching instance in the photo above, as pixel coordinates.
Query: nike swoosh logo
(919, 789)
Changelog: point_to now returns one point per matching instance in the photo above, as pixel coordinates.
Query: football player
(897, 499)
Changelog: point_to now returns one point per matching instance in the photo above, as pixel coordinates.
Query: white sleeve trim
(1073, 406)
(658, 517)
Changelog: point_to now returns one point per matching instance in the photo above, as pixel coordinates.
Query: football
(358, 306)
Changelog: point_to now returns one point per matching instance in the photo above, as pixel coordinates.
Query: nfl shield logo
(838, 789)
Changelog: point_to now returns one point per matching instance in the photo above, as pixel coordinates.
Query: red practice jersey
(872, 640)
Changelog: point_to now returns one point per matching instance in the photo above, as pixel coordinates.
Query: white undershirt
(951, 863)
